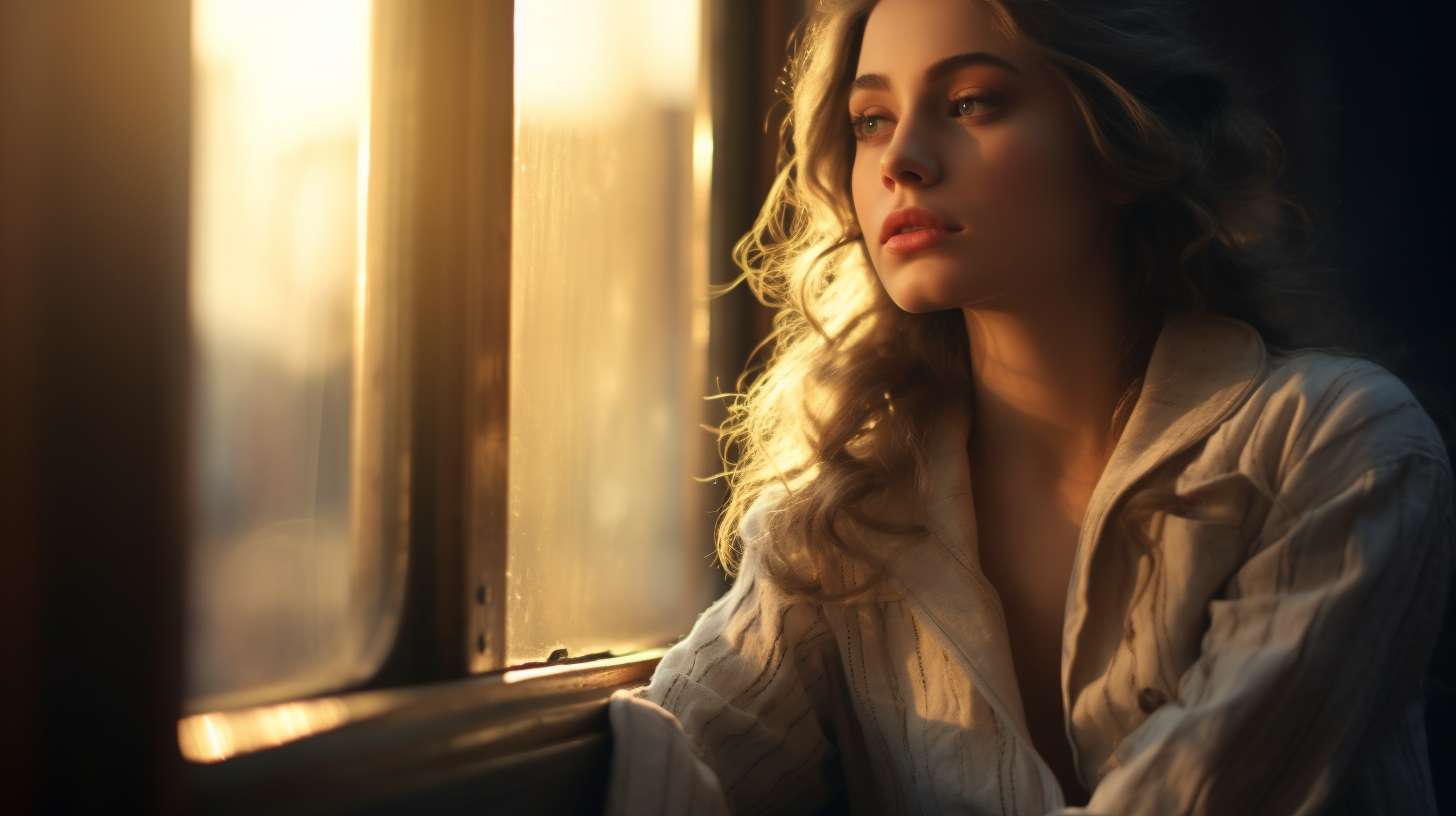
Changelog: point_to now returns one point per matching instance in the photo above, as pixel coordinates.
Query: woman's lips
(924, 238)
(913, 229)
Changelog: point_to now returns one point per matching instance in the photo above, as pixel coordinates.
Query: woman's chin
(933, 286)
(923, 300)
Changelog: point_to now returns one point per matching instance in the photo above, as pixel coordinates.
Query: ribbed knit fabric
(1266, 658)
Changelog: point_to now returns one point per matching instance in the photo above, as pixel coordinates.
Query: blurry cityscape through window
(609, 327)
(282, 595)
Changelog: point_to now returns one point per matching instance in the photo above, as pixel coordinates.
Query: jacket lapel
(1202, 369)
(940, 574)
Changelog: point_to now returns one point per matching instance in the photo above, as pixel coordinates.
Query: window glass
(292, 580)
(609, 327)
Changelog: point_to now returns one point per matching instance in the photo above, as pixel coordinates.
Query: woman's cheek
(1018, 170)
(1035, 186)
(863, 179)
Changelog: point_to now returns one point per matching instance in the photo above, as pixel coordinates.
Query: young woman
(1030, 512)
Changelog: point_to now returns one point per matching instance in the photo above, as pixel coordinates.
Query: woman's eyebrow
(952, 64)
(880, 82)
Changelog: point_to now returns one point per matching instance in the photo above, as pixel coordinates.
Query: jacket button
(1150, 699)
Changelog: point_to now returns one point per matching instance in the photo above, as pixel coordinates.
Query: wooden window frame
(444, 69)
(455, 221)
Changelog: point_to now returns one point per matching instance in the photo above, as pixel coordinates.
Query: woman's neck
(1049, 372)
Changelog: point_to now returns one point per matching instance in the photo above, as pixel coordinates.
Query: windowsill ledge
(372, 746)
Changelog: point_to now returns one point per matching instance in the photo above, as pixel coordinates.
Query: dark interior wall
(1360, 95)
(94, 131)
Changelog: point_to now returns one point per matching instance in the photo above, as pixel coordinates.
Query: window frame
(511, 738)
(446, 225)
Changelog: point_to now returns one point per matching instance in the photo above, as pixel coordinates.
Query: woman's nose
(910, 159)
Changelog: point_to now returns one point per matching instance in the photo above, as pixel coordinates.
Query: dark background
(1360, 94)
(1359, 97)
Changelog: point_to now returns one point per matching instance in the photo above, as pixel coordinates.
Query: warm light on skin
(993, 150)
(959, 121)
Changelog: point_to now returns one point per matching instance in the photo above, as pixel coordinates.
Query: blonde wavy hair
(838, 415)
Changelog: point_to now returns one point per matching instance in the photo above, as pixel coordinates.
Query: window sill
(522, 740)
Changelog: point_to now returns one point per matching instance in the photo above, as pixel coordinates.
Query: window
(606, 549)
(317, 276)
(294, 577)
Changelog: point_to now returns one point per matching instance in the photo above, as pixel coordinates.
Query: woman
(1028, 514)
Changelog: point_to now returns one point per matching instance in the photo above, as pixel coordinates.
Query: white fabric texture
(1265, 659)
(664, 775)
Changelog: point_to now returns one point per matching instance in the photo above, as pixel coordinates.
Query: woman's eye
(972, 106)
(868, 126)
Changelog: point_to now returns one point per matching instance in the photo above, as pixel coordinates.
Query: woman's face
(972, 177)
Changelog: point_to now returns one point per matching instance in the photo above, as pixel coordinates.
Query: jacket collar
(1201, 370)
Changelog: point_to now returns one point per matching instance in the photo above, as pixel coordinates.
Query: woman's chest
(925, 731)
(1026, 539)
(938, 680)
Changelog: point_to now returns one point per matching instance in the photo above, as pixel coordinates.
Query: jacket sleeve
(1314, 654)
(745, 694)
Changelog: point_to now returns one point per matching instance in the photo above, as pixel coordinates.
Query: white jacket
(1272, 666)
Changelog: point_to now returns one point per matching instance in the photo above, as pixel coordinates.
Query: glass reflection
(281, 118)
(608, 327)
(208, 738)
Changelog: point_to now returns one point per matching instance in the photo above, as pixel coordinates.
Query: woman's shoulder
(792, 572)
(753, 529)
(754, 536)
(1341, 410)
